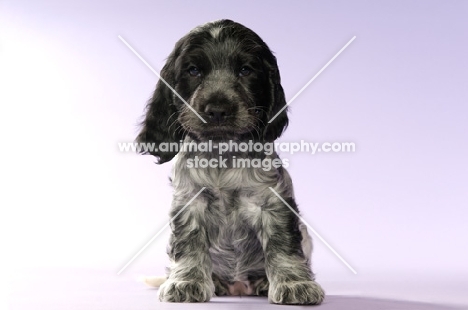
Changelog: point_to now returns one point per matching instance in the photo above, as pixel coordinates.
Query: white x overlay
(193, 110)
(314, 231)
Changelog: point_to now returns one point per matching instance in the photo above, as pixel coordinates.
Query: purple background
(71, 90)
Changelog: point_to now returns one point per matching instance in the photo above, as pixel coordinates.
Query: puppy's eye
(194, 71)
(244, 71)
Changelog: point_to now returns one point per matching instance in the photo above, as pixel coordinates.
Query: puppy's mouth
(219, 132)
(219, 124)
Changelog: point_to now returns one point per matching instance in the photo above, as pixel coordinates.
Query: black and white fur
(237, 237)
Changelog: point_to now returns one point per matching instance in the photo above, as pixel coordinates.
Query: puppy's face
(221, 74)
(229, 77)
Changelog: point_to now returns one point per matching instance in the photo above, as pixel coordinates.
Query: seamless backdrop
(395, 209)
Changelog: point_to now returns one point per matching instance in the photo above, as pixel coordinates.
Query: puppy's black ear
(277, 123)
(160, 124)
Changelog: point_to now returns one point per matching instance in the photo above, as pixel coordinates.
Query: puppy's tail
(153, 281)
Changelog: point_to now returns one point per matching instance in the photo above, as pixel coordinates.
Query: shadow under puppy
(236, 237)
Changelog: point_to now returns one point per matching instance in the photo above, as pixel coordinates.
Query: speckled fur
(237, 237)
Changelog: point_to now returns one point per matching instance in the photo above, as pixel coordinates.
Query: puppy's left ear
(276, 125)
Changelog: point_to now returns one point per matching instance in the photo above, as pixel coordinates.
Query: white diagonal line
(315, 232)
(312, 79)
(157, 234)
(163, 80)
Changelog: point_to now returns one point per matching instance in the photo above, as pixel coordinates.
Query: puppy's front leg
(189, 277)
(287, 268)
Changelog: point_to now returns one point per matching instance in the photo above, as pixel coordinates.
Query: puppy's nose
(216, 113)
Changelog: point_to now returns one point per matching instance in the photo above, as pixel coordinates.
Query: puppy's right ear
(161, 124)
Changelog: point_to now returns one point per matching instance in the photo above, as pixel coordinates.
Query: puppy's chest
(234, 229)
(232, 209)
(232, 217)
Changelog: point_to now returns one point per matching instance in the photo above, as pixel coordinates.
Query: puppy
(236, 237)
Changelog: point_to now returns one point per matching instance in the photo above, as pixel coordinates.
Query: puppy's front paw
(186, 291)
(296, 293)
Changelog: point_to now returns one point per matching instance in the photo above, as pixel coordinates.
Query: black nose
(216, 113)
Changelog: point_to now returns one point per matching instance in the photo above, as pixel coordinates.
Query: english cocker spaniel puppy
(236, 237)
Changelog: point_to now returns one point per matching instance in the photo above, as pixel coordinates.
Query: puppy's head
(226, 86)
